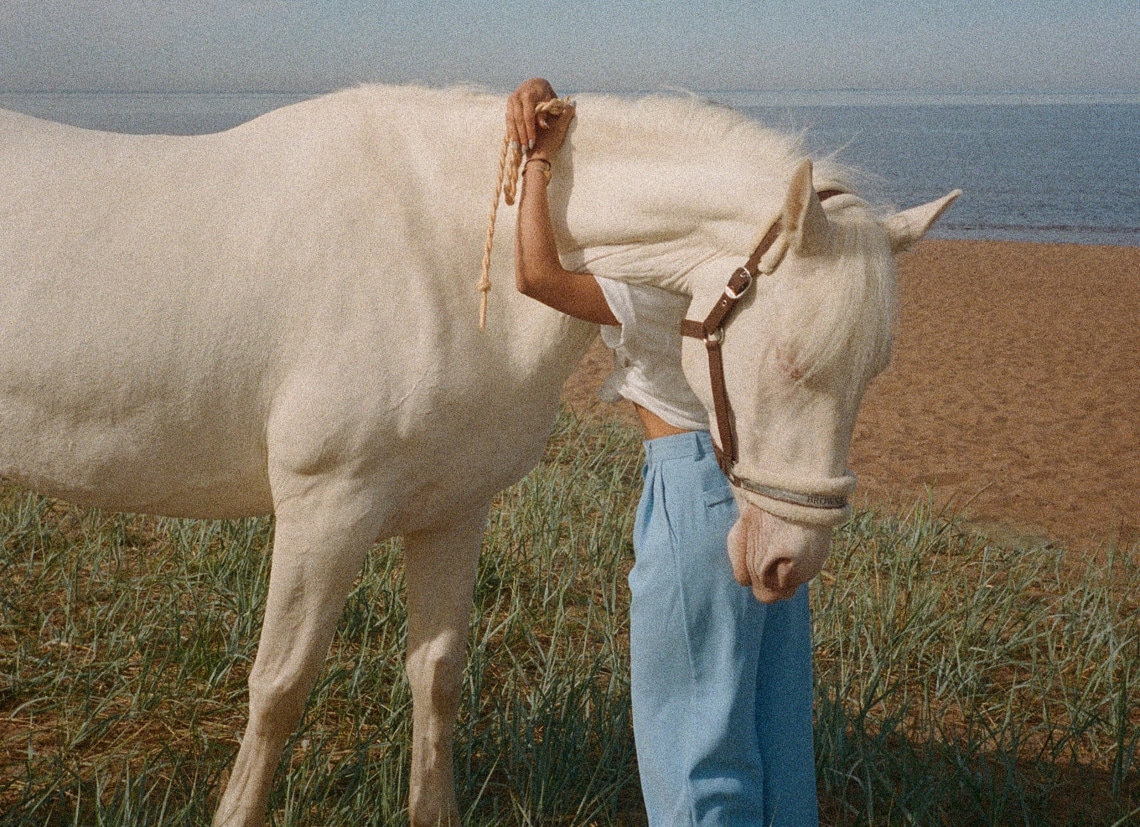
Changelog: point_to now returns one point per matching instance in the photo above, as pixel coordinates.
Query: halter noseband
(711, 332)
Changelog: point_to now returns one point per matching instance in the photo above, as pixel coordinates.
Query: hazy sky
(281, 45)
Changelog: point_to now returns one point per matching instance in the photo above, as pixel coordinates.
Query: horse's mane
(675, 127)
(687, 123)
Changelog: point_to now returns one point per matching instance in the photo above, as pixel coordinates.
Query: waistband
(690, 444)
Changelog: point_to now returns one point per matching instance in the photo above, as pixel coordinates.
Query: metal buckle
(728, 291)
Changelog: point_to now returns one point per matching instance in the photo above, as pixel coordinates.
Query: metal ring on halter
(734, 295)
(714, 337)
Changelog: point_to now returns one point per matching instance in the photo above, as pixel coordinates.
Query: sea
(1058, 168)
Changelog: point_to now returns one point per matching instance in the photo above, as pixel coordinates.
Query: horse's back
(163, 299)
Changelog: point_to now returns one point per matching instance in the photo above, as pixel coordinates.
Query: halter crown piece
(510, 159)
(711, 332)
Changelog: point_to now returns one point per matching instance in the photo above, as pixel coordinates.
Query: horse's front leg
(319, 542)
(440, 567)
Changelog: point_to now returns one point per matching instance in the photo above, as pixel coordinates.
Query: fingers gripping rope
(506, 185)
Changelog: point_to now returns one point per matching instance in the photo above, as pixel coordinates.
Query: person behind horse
(721, 683)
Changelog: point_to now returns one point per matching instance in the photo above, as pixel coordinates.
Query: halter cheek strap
(711, 332)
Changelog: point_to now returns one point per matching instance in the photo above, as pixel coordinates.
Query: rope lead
(506, 185)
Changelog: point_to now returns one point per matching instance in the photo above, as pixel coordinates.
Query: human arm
(539, 273)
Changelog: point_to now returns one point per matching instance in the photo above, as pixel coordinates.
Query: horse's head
(800, 332)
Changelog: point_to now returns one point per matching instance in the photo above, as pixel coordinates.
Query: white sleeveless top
(647, 353)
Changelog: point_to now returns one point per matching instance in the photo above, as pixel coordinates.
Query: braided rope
(506, 186)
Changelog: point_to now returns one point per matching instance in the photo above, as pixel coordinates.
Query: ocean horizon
(1058, 167)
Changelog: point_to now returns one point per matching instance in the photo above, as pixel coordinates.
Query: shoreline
(1013, 397)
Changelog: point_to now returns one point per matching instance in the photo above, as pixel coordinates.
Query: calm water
(1045, 168)
(1040, 172)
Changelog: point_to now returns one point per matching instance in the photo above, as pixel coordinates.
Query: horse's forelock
(845, 317)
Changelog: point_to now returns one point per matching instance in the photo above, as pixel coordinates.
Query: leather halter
(711, 332)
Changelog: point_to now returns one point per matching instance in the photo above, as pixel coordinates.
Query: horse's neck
(649, 206)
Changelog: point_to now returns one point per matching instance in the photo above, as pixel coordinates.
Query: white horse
(280, 319)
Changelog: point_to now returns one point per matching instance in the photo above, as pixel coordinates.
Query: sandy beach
(1013, 395)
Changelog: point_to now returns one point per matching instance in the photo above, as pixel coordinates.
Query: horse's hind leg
(440, 569)
(319, 544)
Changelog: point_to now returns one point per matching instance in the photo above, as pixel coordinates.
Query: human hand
(522, 121)
(551, 136)
(538, 133)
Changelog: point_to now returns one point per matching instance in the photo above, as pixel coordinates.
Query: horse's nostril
(778, 573)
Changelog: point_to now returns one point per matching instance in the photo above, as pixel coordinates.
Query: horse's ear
(805, 222)
(907, 227)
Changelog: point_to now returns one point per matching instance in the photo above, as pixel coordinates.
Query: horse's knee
(277, 701)
(435, 672)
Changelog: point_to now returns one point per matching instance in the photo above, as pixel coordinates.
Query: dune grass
(958, 682)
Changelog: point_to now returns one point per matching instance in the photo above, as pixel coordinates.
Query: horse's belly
(218, 498)
(151, 461)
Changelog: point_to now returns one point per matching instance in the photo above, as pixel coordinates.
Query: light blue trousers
(722, 684)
